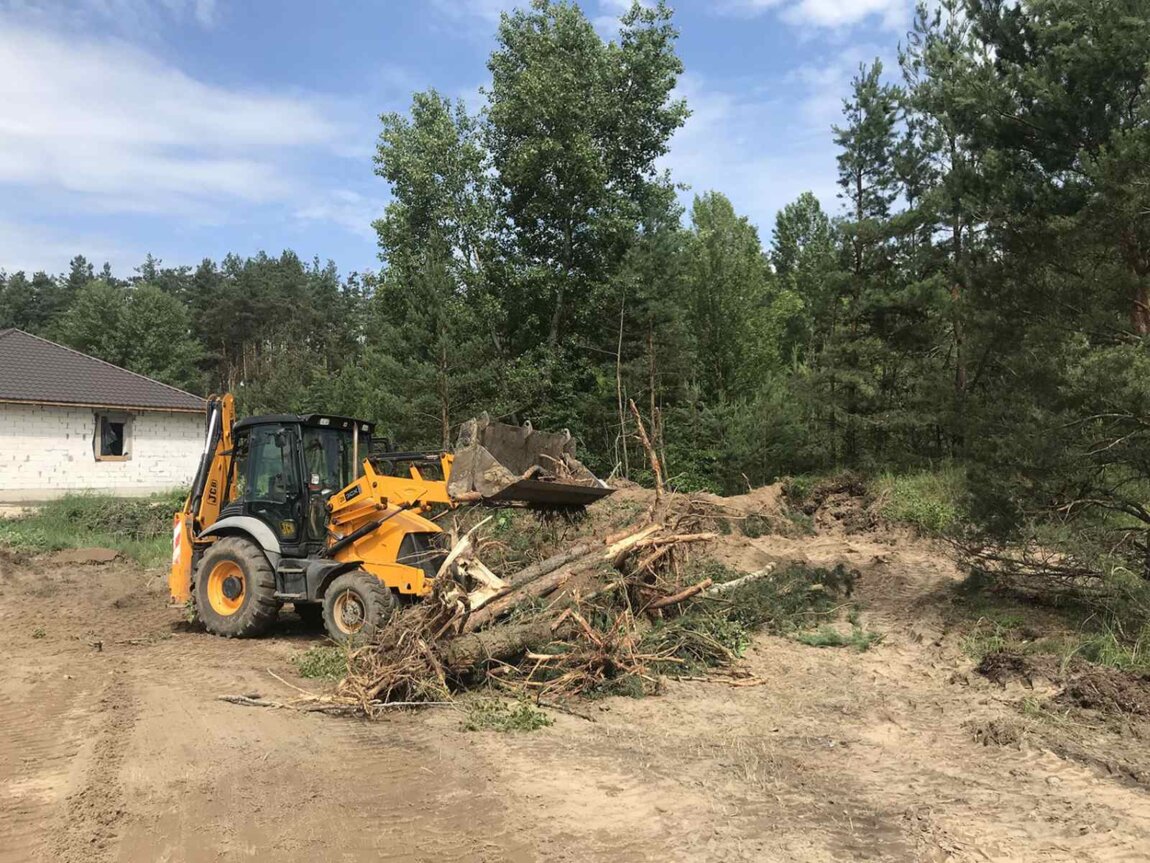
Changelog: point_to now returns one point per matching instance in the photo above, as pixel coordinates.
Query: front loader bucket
(499, 463)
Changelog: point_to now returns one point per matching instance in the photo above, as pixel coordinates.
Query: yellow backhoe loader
(301, 509)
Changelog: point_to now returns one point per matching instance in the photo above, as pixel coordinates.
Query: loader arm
(202, 506)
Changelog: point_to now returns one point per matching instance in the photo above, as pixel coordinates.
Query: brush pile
(572, 624)
(606, 614)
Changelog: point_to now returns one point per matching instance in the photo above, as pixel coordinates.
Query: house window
(113, 437)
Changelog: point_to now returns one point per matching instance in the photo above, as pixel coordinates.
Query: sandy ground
(114, 747)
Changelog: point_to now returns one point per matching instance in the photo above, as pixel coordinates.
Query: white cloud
(760, 146)
(136, 18)
(125, 131)
(347, 208)
(829, 13)
(30, 247)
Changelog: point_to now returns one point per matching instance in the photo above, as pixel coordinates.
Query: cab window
(270, 476)
(327, 459)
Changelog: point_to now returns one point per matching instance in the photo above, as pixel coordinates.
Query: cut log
(504, 644)
(546, 584)
(728, 586)
(530, 573)
(540, 587)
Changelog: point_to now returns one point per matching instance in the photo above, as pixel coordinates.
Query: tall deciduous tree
(574, 128)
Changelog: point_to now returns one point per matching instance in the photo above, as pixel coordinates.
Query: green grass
(930, 501)
(140, 528)
(322, 662)
(827, 636)
(496, 714)
(1067, 631)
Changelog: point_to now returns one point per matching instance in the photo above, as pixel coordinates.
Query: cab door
(270, 485)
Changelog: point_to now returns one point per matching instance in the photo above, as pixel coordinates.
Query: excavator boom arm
(202, 506)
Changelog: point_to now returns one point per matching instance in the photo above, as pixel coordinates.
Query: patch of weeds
(322, 662)
(827, 636)
(754, 526)
(496, 714)
(987, 636)
(39, 632)
(933, 502)
(1107, 648)
(141, 528)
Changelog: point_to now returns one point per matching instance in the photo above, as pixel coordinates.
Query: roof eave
(103, 406)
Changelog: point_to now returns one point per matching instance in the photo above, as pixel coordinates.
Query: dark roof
(37, 371)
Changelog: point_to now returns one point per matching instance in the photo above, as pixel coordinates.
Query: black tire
(356, 606)
(310, 614)
(235, 589)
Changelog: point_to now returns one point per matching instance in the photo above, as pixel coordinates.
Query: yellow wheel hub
(349, 613)
(226, 588)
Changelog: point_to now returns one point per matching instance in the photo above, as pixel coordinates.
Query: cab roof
(319, 420)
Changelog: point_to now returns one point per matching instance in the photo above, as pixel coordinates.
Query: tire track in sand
(87, 828)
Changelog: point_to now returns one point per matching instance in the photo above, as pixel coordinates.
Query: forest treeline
(980, 299)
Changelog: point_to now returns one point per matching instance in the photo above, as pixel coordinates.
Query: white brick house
(70, 422)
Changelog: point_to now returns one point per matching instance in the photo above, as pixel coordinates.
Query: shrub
(933, 502)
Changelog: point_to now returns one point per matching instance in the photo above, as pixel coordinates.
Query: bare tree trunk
(444, 397)
(621, 439)
(1140, 308)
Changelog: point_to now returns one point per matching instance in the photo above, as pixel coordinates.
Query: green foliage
(322, 662)
(858, 638)
(138, 527)
(933, 502)
(711, 633)
(497, 714)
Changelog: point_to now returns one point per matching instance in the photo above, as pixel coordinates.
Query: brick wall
(47, 451)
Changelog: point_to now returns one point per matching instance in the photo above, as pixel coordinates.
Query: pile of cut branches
(573, 624)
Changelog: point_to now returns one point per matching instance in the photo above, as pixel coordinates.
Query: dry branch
(685, 593)
(652, 456)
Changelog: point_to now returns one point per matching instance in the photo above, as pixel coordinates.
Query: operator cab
(286, 466)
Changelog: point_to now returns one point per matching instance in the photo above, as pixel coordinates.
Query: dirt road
(114, 747)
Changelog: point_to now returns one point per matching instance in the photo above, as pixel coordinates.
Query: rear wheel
(356, 607)
(235, 589)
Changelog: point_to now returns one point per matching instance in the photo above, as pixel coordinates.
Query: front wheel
(356, 607)
(235, 589)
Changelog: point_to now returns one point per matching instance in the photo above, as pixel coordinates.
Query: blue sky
(191, 128)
